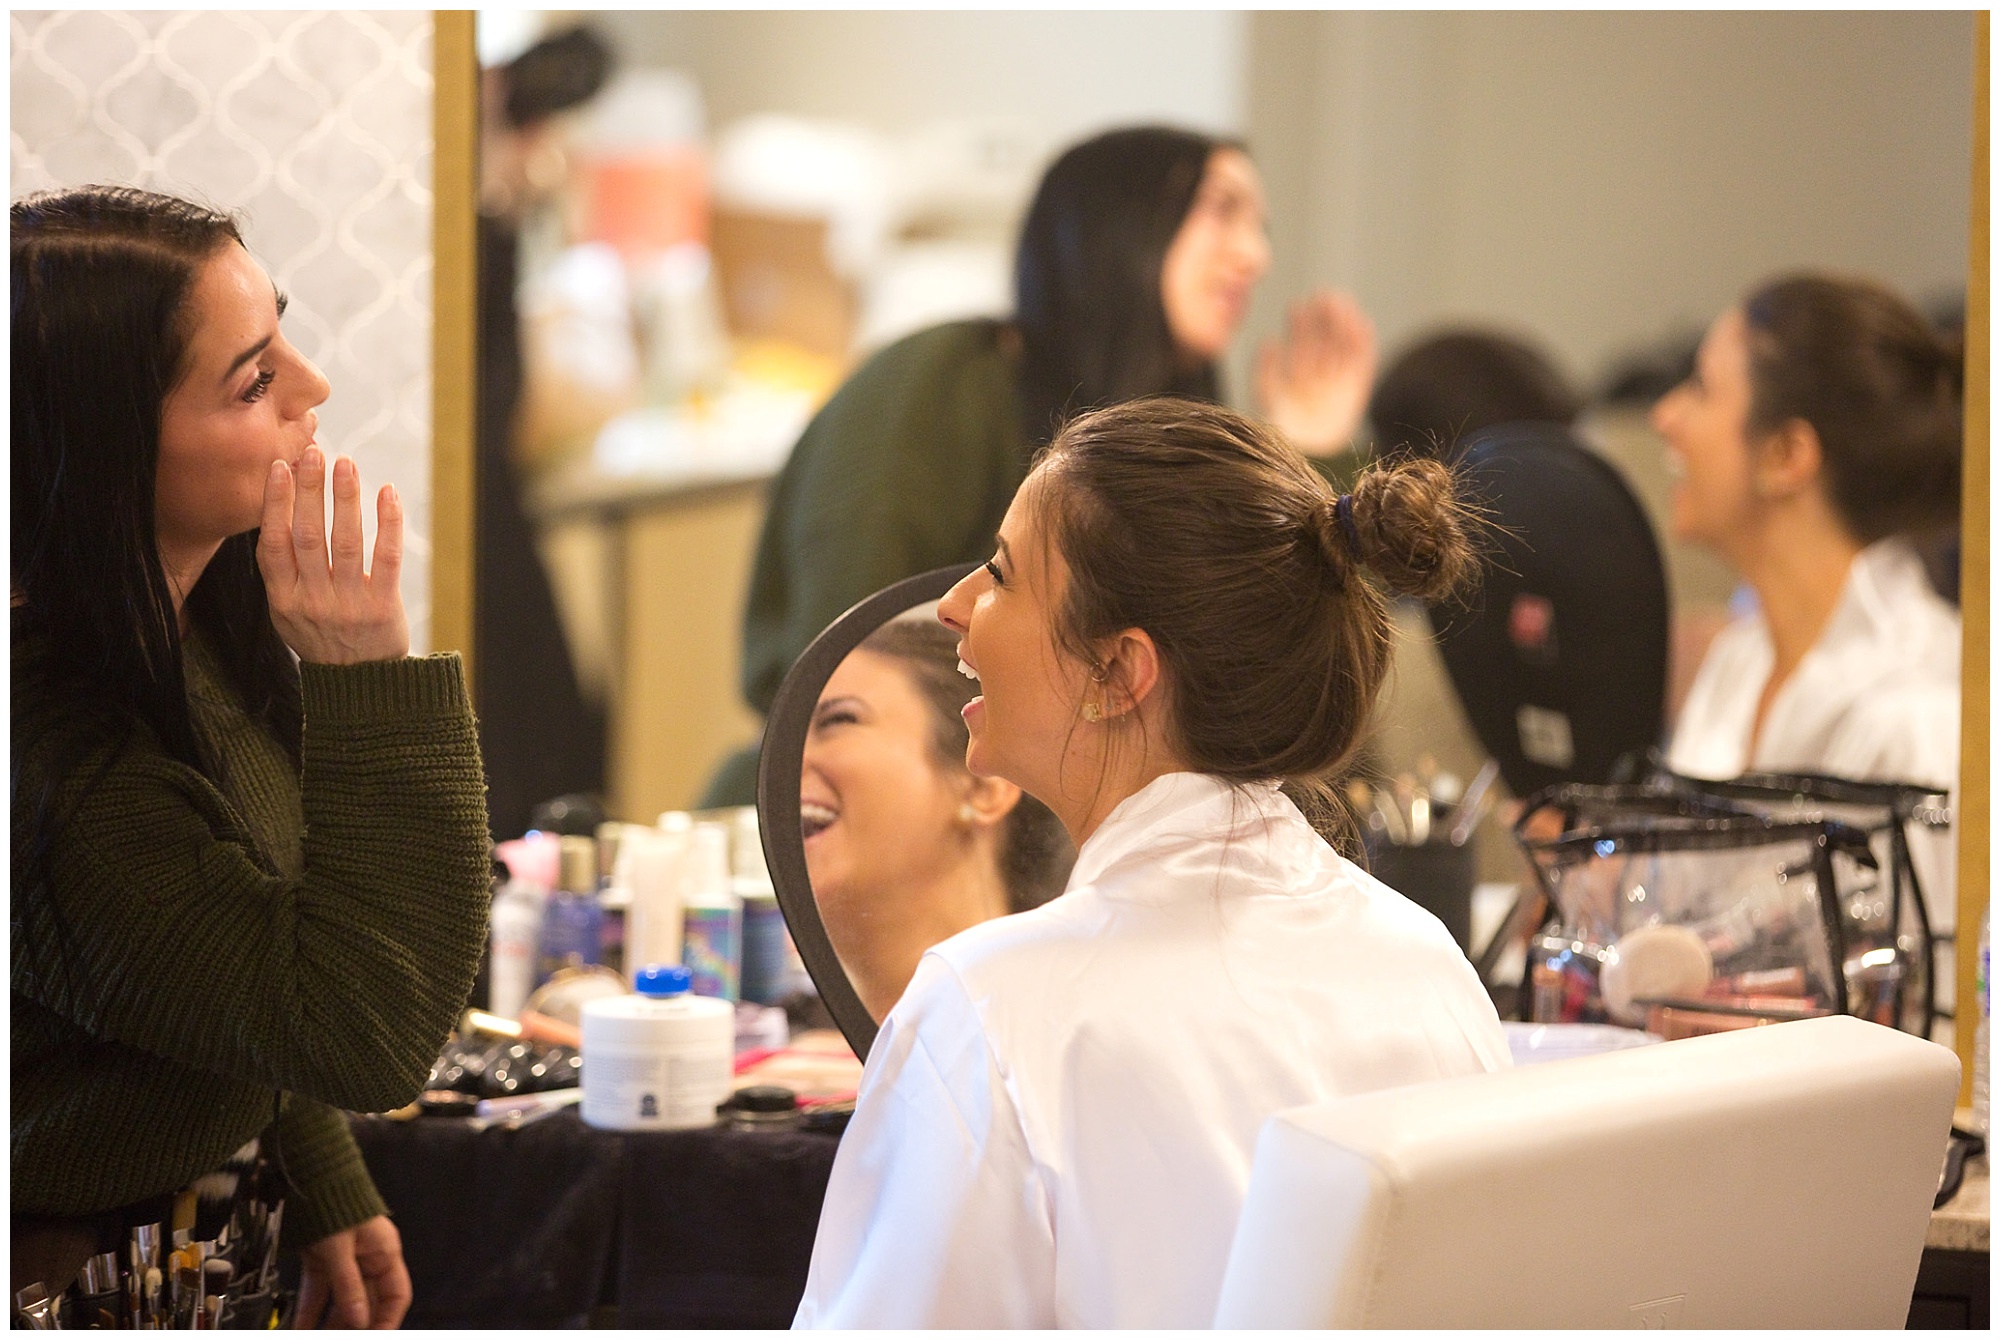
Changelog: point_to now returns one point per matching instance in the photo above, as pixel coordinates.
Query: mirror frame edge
(1975, 789)
(454, 328)
(780, 761)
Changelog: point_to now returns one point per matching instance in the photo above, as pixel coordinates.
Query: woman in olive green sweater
(248, 890)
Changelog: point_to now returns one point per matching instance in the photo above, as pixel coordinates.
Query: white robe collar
(1178, 804)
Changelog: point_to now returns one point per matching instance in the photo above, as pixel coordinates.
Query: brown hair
(1035, 851)
(1881, 386)
(1219, 540)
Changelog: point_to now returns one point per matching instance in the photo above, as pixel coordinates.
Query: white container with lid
(660, 1060)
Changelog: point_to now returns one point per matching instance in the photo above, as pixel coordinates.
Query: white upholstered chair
(1775, 1177)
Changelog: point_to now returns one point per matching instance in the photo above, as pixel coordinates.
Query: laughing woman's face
(1024, 726)
(879, 812)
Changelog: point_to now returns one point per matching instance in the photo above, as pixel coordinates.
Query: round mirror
(879, 841)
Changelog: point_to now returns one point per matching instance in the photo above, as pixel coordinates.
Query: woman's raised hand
(1315, 384)
(325, 605)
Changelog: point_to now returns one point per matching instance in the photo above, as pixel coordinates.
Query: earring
(1092, 712)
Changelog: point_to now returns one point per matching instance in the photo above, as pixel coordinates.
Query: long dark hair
(1087, 275)
(1882, 387)
(101, 278)
(1035, 851)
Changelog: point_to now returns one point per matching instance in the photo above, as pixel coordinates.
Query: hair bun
(1410, 527)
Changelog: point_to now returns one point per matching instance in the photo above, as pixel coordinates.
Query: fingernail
(278, 471)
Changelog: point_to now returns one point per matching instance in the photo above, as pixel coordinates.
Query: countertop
(1965, 1221)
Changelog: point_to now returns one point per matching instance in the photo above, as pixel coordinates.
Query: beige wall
(1060, 74)
(1606, 179)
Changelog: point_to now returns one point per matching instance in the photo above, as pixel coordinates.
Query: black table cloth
(545, 1224)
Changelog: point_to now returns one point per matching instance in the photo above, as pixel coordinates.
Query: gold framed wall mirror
(1298, 86)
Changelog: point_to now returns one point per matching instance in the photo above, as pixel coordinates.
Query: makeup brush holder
(1436, 876)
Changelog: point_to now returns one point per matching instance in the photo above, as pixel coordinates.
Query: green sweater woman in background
(1133, 272)
(248, 891)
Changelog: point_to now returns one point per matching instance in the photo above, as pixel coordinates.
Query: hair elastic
(1343, 508)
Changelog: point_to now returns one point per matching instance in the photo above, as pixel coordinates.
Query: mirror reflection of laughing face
(905, 847)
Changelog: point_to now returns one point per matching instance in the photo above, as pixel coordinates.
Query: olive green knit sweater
(203, 958)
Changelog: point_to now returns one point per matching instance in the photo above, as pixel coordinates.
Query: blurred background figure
(1821, 430)
(1449, 385)
(540, 736)
(905, 847)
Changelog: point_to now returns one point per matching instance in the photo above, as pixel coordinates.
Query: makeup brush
(215, 1192)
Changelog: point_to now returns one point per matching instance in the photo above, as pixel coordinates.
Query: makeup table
(555, 1224)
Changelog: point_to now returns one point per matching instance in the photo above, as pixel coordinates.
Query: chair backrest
(1776, 1176)
(1560, 659)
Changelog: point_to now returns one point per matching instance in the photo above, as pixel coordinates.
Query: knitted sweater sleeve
(330, 1188)
(165, 929)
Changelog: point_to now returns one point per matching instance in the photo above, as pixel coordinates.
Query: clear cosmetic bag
(1885, 922)
(1682, 913)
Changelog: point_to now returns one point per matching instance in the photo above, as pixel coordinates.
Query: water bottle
(1982, 1065)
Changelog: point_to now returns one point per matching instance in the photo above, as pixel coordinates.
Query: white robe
(1056, 1121)
(1876, 698)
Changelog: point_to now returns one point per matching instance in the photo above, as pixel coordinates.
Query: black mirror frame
(779, 765)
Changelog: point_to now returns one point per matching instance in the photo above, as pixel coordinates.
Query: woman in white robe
(1056, 1122)
(1822, 428)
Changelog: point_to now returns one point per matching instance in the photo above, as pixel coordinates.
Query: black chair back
(1560, 658)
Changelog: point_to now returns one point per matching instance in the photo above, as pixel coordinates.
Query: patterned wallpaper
(315, 129)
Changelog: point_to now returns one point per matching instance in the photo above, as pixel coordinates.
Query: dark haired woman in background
(1134, 270)
(1056, 1121)
(248, 890)
(905, 847)
(1822, 431)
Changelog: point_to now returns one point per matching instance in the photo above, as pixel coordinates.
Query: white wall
(315, 128)
(1607, 179)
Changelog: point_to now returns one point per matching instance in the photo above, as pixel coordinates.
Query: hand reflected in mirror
(905, 847)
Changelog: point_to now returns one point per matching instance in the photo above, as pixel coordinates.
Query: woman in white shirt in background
(1822, 428)
(1057, 1119)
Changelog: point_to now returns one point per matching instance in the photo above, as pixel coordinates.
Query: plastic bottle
(657, 1060)
(765, 947)
(712, 948)
(1982, 1064)
(765, 979)
(614, 898)
(572, 923)
(517, 933)
(653, 869)
(746, 846)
